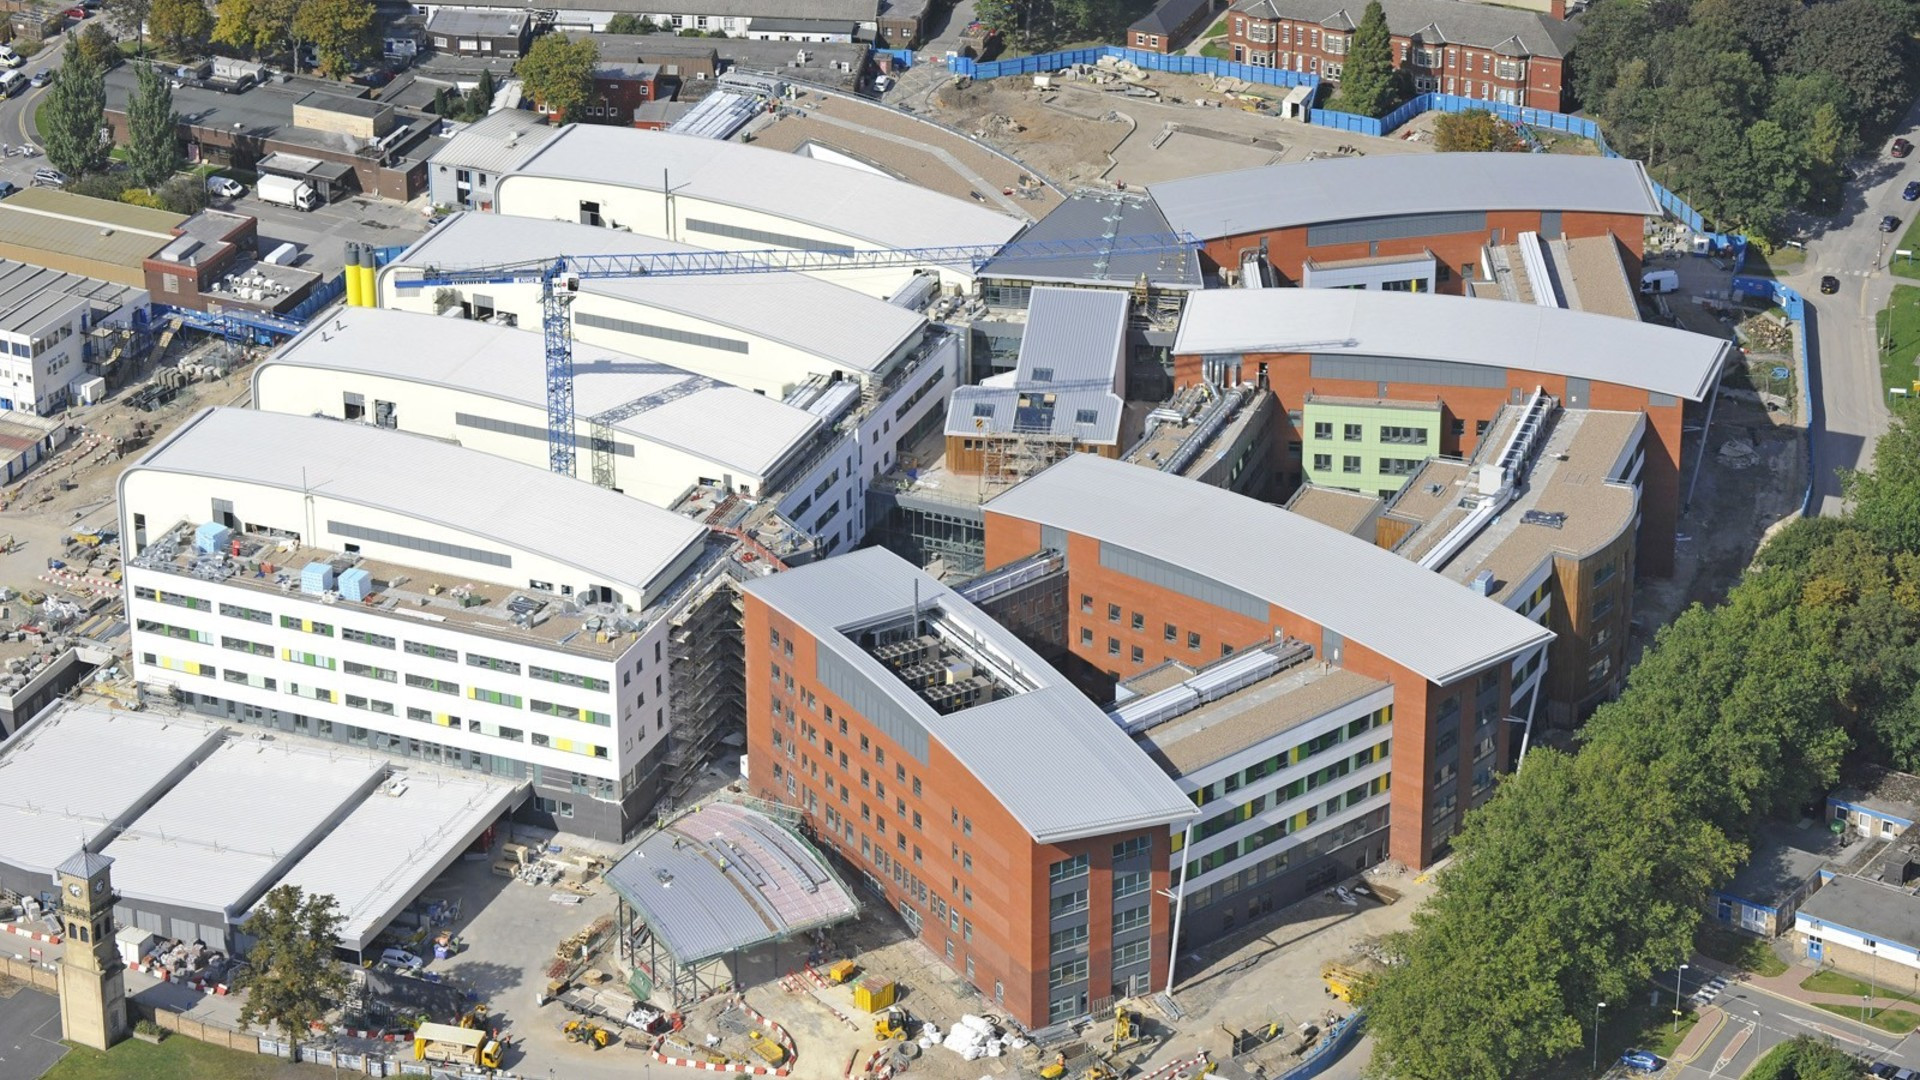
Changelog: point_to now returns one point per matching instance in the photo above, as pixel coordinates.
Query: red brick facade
(1458, 253)
(928, 835)
(1467, 409)
(1427, 800)
(1497, 69)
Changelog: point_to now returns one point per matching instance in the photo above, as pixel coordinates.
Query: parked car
(1829, 285)
(8, 187)
(1911, 191)
(401, 958)
(225, 187)
(41, 77)
(46, 177)
(77, 14)
(9, 58)
(1641, 1061)
(1901, 148)
(1889, 223)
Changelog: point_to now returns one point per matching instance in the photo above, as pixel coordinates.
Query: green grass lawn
(1892, 1021)
(1219, 50)
(1218, 29)
(1910, 241)
(1835, 982)
(1897, 329)
(1732, 947)
(176, 1058)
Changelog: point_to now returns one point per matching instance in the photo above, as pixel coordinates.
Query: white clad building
(876, 374)
(384, 589)
(733, 196)
(482, 385)
(45, 316)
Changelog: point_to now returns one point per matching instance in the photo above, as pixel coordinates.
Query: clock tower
(93, 981)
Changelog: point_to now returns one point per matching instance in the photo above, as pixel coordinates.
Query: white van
(12, 82)
(1660, 281)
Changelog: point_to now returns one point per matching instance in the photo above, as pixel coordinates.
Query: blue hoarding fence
(1795, 306)
(901, 58)
(1150, 61)
(1335, 1043)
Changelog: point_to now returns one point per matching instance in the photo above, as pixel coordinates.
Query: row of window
(1352, 465)
(1295, 755)
(1279, 830)
(363, 637)
(1323, 430)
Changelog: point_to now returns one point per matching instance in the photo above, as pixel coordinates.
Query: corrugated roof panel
(1382, 185)
(1452, 329)
(477, 493)
(1366, 594)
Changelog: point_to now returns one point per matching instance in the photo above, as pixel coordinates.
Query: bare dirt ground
(1085, 134)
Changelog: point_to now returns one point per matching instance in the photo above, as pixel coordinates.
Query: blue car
(1641, 1061)
(1911, 191)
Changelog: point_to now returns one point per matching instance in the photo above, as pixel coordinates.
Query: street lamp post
(1676, 995)
(1873, 977)
(1596, 1033)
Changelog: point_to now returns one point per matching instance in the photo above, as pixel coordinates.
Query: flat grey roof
(1244, 719)
(473, 492)
(855, 10)
(70, 777)
(1880, 912)
(32, 296)
(723, 877)
(1884, 791)
(1087, 215)
(495, 143)
(1015, 746)
(1418, 619)
(396, 842)
(840, 325)
(1455, 330)
(726, 425)
(479, 23)
(222, 836)
(1392, 185)
(1784, 859)
(867, 207)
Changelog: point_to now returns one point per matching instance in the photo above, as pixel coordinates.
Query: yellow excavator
(475, 1018)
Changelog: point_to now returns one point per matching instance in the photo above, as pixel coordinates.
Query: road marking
(1733, 1048)
(1838, 1033)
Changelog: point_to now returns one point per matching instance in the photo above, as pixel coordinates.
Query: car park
(1829, 285)
(1889, 223)
(225, 187)
(1900, 148)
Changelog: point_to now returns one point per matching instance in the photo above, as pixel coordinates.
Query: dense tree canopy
(558, 72)
(1369, 84)
(75, 114)
(1587, 873)
(1747, 108)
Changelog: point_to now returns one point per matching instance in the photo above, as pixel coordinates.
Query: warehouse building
(867, 670)
(1394, 221)
(876, 374)
(731, 196)
(1373, 383)
(461, 172)
(381, 589)
(96, 238)
(56, 333)
(156, 792)
(1159, 568)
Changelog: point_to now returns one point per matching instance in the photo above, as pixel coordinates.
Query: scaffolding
(706, 667)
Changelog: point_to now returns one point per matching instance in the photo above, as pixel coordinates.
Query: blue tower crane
(559, 278)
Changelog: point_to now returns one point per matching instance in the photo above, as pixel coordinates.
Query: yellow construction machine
(447, 1044)
(1344, 979)
(891, 1024)
(771, 1052)
(1054, 1069)
(475, 1018)
(586, 1031)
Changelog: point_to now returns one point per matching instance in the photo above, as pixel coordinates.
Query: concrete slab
(29, 1032)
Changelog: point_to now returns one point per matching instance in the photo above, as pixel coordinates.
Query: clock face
(74, 888)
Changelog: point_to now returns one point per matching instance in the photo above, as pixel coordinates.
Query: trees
(129, 17)
(254, 26)
(75, 114)
(98, 46)
(340, 31)
(183, 25)
(480, 98)
(1805, 1058)
(1369, 85)
(1864, 45)
(153, 137)
(558, 73)
(293, 976)
(626, 23)
(1475, 130)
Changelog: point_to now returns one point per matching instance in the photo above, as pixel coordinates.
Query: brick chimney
(1557, 9)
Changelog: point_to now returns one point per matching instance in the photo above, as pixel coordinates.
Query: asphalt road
(1757, 1022)
(16, 113)
(1849, 410)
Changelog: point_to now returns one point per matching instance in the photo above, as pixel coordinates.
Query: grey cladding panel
(417, 543)
(662, 333)
(762, 236)
(1579, 393)
(852, 687)
(1404, 370)
(1550, 224)
(527, 431)
(1183, 581)
(1053, 538)
(1400, 227)
(1655, 399)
